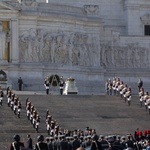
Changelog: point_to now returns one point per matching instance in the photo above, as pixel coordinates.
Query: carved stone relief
(146, 19)
(29, 3)
(68, 48)
(130, 56)
(91, 9)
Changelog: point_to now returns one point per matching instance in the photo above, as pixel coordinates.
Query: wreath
(54, 80)
(70, 79)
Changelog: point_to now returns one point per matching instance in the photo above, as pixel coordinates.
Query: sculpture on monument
(2, 42)
(39, 45)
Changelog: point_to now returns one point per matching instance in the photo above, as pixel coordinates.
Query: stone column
(14, 52)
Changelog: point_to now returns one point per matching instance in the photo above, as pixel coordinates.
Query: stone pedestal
(70, 87)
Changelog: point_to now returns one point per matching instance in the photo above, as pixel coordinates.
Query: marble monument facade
(89, 40)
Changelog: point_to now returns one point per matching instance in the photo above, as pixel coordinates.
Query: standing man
(29, 142)
(20, 83)
(140, 84)
(61, 85)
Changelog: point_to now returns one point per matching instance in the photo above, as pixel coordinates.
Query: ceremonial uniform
(1, 97)
(61, 85)
(47, 84)
(75, 143)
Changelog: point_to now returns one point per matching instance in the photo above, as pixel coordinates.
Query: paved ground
(106, 114)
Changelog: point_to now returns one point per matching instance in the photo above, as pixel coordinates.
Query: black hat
(17, 138)
(40, 138)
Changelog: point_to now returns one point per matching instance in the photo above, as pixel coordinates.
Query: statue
(2, 42)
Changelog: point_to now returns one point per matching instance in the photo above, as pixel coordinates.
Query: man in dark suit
(29, 142)
(20, 83)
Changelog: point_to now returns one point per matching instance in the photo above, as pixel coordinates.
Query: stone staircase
(10, 125)
(73, 111)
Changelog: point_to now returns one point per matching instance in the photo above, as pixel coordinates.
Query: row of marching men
(52, 126)
(118, 87)
(32, 114)
(13, 101)
(144, 98)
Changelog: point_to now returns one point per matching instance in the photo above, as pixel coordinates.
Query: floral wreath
(70, 79)
(54, 80)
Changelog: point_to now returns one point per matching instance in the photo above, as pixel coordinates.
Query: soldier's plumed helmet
(40, 138)
(17, 138)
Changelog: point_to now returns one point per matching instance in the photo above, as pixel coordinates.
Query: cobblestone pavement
(107, 114)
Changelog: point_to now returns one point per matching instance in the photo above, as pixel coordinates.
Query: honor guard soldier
(41, 145)
(75, 142)
(19, 108)
(61, 85)
(47, 84)
(16, 145)
(1, 97)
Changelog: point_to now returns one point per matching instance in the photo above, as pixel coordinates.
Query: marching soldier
(9, 98)
(37, 122)
(19, 108)
(1, 96)
(141, 96)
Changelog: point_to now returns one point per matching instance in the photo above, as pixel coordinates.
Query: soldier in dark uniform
(55, 142)
(63, 144)
(75, 143)
(51, 146)
(16, 145)
(88, 141)
(95, 143)
(130, 142)
(20, 83)
(41, 145)
(104, 143)
(61, 85)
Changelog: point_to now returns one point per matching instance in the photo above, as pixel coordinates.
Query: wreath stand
(70, 87)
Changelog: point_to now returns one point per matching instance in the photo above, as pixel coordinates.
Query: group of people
(144, 98)
(61, 83)
(52, 126)
(86, 140)
(32, 114)
(118, 87)
(13, 101)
